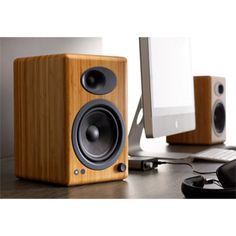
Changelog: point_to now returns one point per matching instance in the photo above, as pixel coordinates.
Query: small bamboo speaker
(70, 118)
(210, 111)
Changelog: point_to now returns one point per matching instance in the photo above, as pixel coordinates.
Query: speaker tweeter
(98, 80)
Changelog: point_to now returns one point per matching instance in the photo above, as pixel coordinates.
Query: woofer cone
(219, 118)
(98, 134)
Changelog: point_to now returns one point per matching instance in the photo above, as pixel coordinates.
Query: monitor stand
(144, 160)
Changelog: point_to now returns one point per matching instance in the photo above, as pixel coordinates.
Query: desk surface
(165, 182)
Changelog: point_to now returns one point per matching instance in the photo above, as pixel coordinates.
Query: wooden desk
(162, 183)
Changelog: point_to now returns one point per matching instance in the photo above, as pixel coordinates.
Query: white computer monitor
(167, 98)
(167, 86)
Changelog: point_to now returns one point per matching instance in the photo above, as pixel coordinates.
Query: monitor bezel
(154, 125)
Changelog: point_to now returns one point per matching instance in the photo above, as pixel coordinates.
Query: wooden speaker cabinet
(210, 103)
(70, 118)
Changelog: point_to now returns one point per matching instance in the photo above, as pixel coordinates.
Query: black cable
(188, 164)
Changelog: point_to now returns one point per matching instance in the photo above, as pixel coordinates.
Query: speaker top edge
(73, 56)
(208, 77)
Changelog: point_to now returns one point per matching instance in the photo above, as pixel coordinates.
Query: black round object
(219, 117)
(121, 167)
(94, 79)
(193, 187)
(98, 134)
(92, 133)
(98, 80)
(220, 89)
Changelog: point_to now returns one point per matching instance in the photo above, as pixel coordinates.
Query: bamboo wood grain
(205, 98)
(47, 97)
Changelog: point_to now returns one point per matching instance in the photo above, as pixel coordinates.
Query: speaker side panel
(39, 118)
(203, 100)
(77, 97)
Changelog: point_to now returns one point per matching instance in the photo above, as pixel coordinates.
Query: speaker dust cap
(98, 80)
(98, 134)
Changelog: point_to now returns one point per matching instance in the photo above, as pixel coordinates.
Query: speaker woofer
(219, 118)
(98, 134)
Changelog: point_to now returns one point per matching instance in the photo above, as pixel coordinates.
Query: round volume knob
(121, 167)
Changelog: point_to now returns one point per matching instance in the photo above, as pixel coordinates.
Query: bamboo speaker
(210, 102)
(70, 118)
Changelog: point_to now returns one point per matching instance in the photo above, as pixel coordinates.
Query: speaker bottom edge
(105, 180)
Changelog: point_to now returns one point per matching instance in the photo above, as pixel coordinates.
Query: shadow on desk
(165, 182)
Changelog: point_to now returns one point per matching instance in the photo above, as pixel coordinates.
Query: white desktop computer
(169, 108)
(167, 97)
